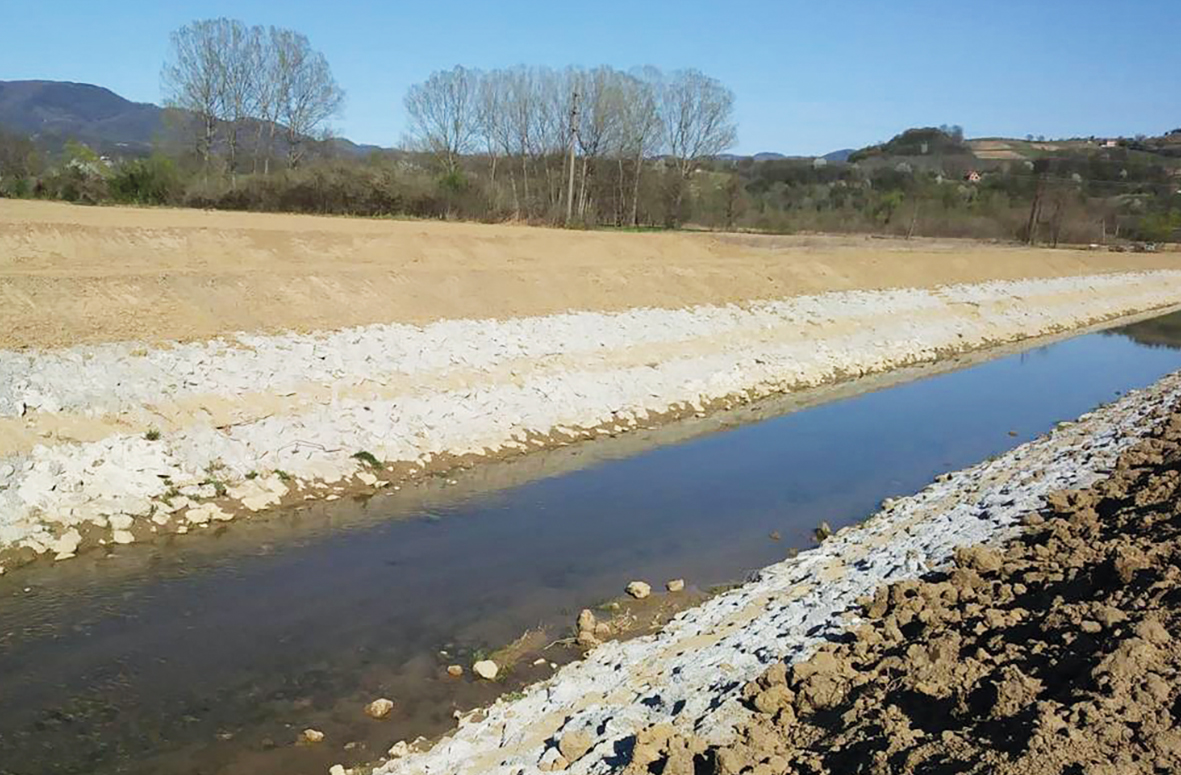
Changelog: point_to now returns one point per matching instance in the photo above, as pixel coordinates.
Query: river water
(211, 654)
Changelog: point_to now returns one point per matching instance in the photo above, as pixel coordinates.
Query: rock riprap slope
(682, 701)
(113, 442)
(1056, 654)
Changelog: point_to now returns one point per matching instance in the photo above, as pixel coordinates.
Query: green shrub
(151, 181)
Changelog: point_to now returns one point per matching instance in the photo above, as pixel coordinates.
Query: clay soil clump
(1057, 653)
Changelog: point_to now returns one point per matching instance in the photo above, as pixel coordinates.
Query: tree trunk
(1034, 212)
(582, 190)
(620, 197)
(524, 184)
(636, 190)
(512, 176)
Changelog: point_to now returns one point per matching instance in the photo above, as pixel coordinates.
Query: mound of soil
(1060, 653)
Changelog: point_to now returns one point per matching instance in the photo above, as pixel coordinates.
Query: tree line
(591, 147)
(572, 143)
(232, 86)
(557, 145)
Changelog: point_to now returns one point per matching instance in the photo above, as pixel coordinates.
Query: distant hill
(52, 112)
(839, 156)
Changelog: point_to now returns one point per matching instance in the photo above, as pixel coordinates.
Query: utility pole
(573, 138)
(1040, 167)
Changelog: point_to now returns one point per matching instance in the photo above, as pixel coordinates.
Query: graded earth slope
(72, 274)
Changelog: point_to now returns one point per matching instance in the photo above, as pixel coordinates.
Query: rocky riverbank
(118, 442)
(1056, 653)
(751, 680)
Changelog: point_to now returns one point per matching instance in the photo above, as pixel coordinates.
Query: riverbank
(1055, 653)
(123, 442)
(702, 688)
(118, 443)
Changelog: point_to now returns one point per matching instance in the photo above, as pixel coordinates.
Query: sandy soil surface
(72, 274)
(1057, 654)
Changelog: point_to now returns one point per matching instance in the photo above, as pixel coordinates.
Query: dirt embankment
(1059, 654)
(72, 274)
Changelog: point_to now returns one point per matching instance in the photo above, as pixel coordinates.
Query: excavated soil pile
(1059, 654)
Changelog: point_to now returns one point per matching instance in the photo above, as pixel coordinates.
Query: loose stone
(639, 589)
(486, 669)
(379, 709)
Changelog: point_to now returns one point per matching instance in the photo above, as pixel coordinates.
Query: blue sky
(809, 77)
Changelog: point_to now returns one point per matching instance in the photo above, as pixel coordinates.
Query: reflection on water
(1163, 331)
(199, 660)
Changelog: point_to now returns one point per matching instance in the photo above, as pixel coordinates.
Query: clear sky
(809, 76)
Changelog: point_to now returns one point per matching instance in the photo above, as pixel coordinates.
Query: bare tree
(549, 132)
(192, 80)
(599, 119)
(494, 125)
(520, 103)
(639, 129)
(239, 82)
(307, 92)
(269, 94)
(698, 116)
(445, 114)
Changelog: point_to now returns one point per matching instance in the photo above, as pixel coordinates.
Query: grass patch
(368, 458)
(283, 475)
(252, 475)
(152, 434)
(218, 485)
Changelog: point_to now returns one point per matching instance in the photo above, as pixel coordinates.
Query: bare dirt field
(72, 274)
(993, 149)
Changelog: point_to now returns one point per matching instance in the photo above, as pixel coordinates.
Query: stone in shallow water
(65, 546)
(486, 669)
(379, 708)
(639, 589)
(121, 521)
